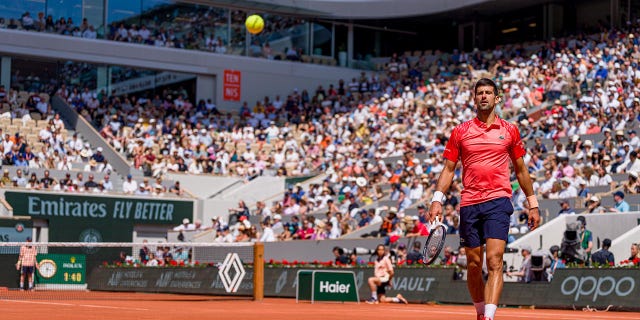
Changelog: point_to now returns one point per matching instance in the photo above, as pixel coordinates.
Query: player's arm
(443, 184)
(522, 174)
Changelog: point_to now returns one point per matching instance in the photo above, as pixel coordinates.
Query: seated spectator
(364, 219)
(401, 253)
(415, 256)
(603, 257)
(181, 255)
(594, 206)
(152, 261)
(129, 186)
(185, 226)
(175, 189)
(142, 190)
(417, 228)
(90, 185)
(340, 257)
(267, 232)
(634, 258)
(620, 204)
(107, 184)
(565, 208)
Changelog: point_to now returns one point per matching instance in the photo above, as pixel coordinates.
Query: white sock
(490, 310)
(479, 307)
(374, 295)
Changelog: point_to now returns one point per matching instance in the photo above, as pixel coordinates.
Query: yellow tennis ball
(254, 24)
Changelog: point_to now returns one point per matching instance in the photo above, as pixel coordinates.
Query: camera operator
(525, 273)
(556, 263)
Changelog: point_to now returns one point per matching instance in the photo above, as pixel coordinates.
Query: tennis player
(486, 146)
(382, 275)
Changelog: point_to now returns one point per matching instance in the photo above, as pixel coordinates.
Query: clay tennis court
(103, 305)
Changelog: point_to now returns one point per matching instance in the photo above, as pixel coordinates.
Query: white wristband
(437, 197)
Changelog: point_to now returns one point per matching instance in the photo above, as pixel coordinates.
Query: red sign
(231, 85)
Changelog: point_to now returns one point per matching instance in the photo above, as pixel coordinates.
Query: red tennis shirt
(485, 152)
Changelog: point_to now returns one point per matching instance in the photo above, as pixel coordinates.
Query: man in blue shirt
(364, 219)
(565, 207)
(621, 205)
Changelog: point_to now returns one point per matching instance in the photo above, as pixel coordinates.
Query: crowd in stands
(195, 28)
(29, 144)
(570, 89)
(567, 89)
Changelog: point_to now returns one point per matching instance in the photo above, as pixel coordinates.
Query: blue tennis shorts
(485, 220)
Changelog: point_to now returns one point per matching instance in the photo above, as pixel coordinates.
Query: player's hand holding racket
(437, 234)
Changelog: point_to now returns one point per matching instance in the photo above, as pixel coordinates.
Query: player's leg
(496, 231)
(475, 281)
(471, 238)
(374, 283)
(493, 288)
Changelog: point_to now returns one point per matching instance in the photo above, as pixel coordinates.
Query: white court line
(76, 305)
(546, 315)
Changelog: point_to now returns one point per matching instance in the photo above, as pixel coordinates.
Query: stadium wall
(617, 289)
(259, 77)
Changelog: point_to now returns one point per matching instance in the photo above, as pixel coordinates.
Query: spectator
(417, 228)
(593, 205)
(340, 257)
(267, 232)
(401, 253)
(175, 189)
(635, 254)
(107, 184)
(603, 257)
(129, 186)
(185, 226)
(565, 208)
(364, 219)
(620, 204)
(415, 256)
(225, 236)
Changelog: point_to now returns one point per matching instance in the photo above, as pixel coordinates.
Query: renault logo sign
(232, 261)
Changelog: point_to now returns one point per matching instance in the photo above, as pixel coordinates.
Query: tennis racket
(435, 242)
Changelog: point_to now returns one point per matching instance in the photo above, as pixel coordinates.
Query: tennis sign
(326, 285)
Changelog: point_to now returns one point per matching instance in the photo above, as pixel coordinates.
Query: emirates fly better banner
(92, 218)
